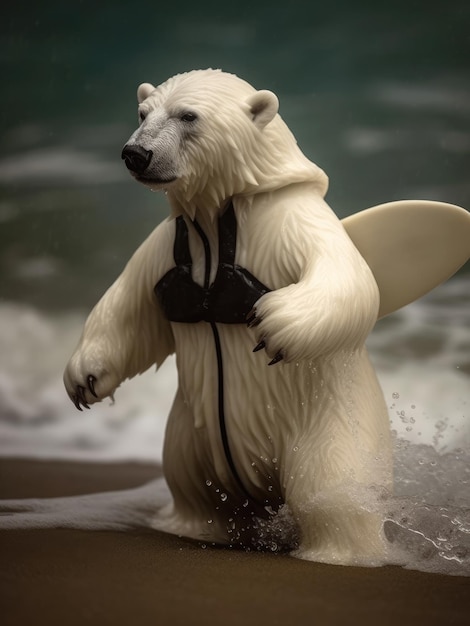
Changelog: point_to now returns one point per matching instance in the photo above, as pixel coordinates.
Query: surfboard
(411, 247)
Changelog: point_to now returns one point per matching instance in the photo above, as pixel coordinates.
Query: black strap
(221, 410)
(218, 352)
(227, 236)
(181, 252)
(207, 252)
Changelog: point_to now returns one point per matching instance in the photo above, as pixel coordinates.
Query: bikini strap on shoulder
(181, 252)
(227, 236)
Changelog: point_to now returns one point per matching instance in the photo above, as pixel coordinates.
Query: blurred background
(377, 95)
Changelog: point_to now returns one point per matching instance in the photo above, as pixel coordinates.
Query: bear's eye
(142, 116)
(188, 117)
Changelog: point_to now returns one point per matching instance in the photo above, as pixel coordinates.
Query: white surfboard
(411, 247)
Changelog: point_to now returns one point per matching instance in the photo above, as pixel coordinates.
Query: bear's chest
(207, 283)
(208, 294)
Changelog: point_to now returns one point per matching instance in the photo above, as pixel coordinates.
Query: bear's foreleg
(124, 334)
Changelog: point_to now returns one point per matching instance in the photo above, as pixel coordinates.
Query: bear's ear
(263, 107)
(143, 91)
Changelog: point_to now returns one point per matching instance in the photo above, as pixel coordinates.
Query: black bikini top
(228, 299)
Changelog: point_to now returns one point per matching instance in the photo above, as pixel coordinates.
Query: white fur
(308, 431)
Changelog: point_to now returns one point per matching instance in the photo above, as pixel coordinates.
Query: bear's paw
(88, 382)
(288, 326)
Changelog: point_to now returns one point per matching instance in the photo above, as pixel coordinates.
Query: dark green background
(378, 94)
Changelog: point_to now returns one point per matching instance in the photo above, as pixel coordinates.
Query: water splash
(426, 519)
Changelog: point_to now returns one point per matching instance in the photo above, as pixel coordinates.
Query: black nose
(137, 159)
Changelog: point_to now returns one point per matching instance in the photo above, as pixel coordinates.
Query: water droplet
(208, 483)
(274, 460)
(223, 497)
(395, 395)
(245, 504)
(203, 546)
(209, 521)
(295, 448)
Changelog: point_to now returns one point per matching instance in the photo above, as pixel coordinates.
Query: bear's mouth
(148, 180)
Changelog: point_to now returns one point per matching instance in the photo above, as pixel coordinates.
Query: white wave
(37, 418)
(114, 510)
(435, 97)
(370, 140)
(59, 163)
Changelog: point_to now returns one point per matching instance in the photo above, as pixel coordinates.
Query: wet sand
(70, 577)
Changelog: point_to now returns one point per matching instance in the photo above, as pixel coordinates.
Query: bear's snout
(137, 159)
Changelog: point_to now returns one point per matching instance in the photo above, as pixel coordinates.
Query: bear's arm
(126, 331)
(331, 304)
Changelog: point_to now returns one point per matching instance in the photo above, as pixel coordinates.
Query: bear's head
(207, 135)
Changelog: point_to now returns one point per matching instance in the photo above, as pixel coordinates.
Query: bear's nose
(137, 159)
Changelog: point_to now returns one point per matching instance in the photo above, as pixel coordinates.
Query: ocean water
(387, 117)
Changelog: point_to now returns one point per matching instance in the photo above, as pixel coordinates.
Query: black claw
(82, 397)
(76, 402)
(260, 346)
(254, 322)
(250, 319)
(91, 380)
(279, 356)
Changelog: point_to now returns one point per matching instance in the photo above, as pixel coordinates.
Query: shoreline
(61, 576)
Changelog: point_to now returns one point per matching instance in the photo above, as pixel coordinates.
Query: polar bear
(253, 282)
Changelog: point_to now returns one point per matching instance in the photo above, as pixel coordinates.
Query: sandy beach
(143, 577)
